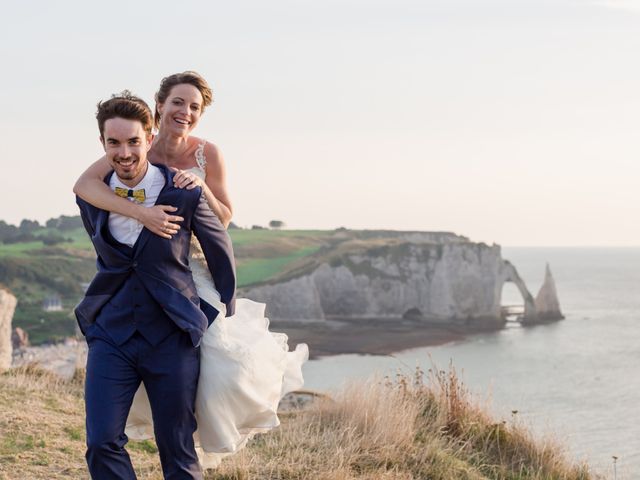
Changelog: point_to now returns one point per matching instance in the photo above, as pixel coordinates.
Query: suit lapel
(145, 234)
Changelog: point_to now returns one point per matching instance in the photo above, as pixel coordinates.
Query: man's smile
(126, 163)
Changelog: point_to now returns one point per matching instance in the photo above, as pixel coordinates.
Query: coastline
(372, 337)
(324, 338)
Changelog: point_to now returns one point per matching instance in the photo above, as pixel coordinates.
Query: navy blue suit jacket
(162, 264)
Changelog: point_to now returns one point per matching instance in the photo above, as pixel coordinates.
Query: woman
(245, 369)
(180, 102)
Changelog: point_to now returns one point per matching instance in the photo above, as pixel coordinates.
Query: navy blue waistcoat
(133, 309)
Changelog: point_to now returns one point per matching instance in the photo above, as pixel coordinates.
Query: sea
(576, 380)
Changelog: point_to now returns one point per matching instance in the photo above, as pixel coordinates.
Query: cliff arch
(510, 274)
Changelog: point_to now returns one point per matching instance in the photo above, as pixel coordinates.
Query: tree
(28, 226)
(65, 222)
(276, 224)
(52, 238)
(69, 223)
(7, 231)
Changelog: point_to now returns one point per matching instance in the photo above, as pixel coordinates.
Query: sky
(514, 122)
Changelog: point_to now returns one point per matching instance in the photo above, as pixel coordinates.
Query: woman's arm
(214, 186)
(92, 189)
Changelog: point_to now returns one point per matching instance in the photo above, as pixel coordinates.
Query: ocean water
(577, 380)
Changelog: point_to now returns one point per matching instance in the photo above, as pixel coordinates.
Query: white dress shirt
(124, 229)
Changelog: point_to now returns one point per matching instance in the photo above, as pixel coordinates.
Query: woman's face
(181, 110)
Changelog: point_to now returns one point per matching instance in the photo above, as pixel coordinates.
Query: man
(141, 315)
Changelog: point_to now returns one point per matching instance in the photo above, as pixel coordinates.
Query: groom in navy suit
(142, 317)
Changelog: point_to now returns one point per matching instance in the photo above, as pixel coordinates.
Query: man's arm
(86, 218)
(218, 251)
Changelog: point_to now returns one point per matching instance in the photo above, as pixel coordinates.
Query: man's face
(126, 145)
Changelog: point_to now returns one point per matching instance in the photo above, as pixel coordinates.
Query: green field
(22, 250)
(260, 269)
(79, 241)
(242, 237)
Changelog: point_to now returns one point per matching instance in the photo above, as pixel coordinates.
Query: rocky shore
(373, 337)
(333, 337)
(60, 358)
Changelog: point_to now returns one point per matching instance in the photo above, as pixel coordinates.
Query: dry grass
(388, 430)
(42, 434)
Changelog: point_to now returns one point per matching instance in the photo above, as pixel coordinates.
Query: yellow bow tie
(137, 195)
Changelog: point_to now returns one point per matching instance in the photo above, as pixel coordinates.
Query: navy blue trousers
(170, 374)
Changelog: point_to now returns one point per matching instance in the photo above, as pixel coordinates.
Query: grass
(42, 428)
(20, 250)
(243, 237)
(400, 429)
(260, 269)
(80, 241)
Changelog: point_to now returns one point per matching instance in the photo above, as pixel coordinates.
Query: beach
(372, 337)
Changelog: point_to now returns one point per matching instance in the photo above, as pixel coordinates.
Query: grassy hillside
(381, 430)
(33, 271)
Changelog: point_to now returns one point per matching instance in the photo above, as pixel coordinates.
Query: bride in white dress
(245, 369)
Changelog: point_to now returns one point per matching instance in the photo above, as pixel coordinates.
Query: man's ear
(149, 141)
(101, 140)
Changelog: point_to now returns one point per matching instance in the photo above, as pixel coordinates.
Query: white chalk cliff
(452, 280)
(7, 307)
(547, 303)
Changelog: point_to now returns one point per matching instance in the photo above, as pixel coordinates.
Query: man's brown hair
(124, 105)
(189, 77)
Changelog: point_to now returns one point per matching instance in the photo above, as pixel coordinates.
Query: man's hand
(157, 219)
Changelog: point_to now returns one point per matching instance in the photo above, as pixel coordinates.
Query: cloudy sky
(515, 122)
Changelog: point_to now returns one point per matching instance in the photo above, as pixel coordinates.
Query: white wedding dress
(244, 371)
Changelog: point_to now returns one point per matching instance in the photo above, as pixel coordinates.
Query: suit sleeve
(86, 218)
(218, 251)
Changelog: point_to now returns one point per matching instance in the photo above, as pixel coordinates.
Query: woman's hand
(157, 219)
(188, 180)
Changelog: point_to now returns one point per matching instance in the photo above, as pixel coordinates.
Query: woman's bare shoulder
(215, 169)
(212, 153)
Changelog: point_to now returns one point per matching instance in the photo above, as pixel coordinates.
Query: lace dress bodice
(201, 275)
